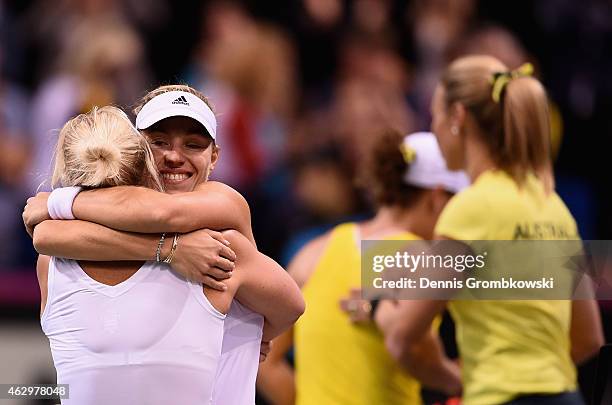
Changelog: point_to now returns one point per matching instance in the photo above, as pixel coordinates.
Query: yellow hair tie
(408, 153)
(501, 79)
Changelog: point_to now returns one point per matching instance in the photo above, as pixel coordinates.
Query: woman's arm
(586, 334)
(413, 343)
(416, 316)
(202, 256)
(264, 287)
(421, 354)
(81, 240)
(407, 328)
(275, 379)
(408, 331)
(212, 205)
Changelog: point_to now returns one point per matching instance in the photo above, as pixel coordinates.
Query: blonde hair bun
(100, 159)
(102, 148)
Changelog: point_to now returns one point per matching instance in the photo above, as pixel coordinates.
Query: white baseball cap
(177, 103)
(427, 167)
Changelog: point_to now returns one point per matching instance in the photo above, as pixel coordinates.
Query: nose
(173, 157)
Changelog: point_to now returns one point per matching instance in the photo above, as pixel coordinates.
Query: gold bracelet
(168, 259)
(159, 247)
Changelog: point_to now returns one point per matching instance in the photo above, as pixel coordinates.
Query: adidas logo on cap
(181, 100)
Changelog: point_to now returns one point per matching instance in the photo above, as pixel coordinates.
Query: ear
(216, 151)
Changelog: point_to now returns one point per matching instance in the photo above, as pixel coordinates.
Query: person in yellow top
(336, 361)
(492, 123)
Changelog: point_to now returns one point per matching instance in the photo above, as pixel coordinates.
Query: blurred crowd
(301, 90)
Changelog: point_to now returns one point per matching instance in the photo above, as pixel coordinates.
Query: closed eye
(158, 143)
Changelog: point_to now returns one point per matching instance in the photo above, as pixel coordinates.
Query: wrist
(166, 248)
(175, 239)
(384, 315)
(60, 201)
(453, 385)
(373, 308)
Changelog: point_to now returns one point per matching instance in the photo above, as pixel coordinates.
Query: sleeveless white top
(237, 372)
(153, 339)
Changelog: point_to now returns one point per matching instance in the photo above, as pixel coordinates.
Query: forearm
(275, 379)
(81, 240)
(586, 332)
(411, 339)
(583, 352)
(126, 208)
(386, 315)
(268, 332)
(280, 302)
(427, 362)
(138, 209)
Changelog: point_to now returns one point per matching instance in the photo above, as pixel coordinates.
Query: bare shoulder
(215, 186)
(305, 260)
(229, 194)
(219, 187)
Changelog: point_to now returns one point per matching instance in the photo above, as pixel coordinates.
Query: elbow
(41, 239)
(400, 345)
(298, 308)
(294, 310)
(587, 348)
(594, 344)
(297, 305)
(291, 312)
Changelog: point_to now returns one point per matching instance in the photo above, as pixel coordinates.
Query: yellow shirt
(510, 348)
(339, 363)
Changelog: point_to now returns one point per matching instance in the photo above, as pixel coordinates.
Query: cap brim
(153, 118)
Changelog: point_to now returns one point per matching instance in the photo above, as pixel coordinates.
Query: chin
(178, 188)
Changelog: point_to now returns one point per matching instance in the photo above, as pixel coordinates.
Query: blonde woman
(493, 123)
(134, 332)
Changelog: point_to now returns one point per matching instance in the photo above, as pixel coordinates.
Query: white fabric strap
(60, 202)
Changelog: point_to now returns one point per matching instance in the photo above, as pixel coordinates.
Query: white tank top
(153, 339)
(237, 372)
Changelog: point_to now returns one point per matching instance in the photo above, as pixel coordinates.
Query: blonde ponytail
(513, 118)
(527, 130)
(102, 148)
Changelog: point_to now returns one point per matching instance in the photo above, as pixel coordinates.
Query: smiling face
(184, 153)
